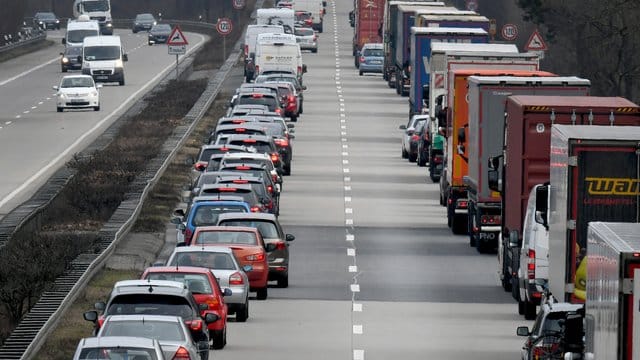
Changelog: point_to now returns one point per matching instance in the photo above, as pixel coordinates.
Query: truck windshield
(97, 5)
(93, 53)
(76, 36)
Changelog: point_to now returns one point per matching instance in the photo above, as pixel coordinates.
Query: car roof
(233, 137)
(251, 166)
(208, 198)
(227, 229)
(561, 307)
(178, 269)
(213, 249)
(256, 216)
(76, 76)
(145, 285)
(253, 125)
(145, 317)
(254, 155)
(114, 341)
(218, 186)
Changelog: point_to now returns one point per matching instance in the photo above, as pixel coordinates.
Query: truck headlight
(119, 63)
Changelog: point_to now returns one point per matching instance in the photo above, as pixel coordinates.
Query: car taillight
(291, 99)
(240, 181)
(257, 96)
(415, 137)
(242, 168)
(236, 279)
(188, 234)
(227, 189)
(361, 59)
(278, 111)
(269, 205)
(182, 354)
(195, 325)
(255, 257)
(299, 69)
(315, 37)
(249, 141)
(275, 157)
(100, 321)
(238, 121)
(274, 177)
(240, 130)
(281, 142)
(490, 219)
(270, 189)
(531, 264)
(255, 209)
(212, 302)
(200, 166)
(246, 50)
(437, 160)
(280, 245)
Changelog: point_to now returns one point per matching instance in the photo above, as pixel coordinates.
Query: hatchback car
(408, 131)
(288, 78)
(261, 145)
(143, 22)
(371, 58)
(46, 20)
(174, 337)
(248, 247)
(205, 213)
(289, 99)
(201, 161)
(261, 98)
(306, 38)
(69, 58)
(240, 129)
(159, 34)
(227, 270)
(77, 92)
(245, 191)
(272, 233)
(261, 186)
(205, 289)
(118, 347)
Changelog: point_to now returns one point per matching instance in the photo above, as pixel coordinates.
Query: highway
(375, 272)
(35, 140)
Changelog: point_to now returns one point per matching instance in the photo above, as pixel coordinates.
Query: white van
(316, 9)
(103, 58)
(78, 29)
(279, 57)
(284, 17)
(250, 41)
(272, 38)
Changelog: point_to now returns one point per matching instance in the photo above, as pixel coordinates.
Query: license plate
(376, 62)
(76, 101)
(102, 77)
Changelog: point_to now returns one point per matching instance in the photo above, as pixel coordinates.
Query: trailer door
(633, 307)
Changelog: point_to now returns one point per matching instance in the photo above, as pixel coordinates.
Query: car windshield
(74, 82)
(144, 17)
(93, 53)
(73, 51)
(161, 28)
(226, 237)
(45, 16)
(304, 32)
(117, 353)
(150, 304)
(150, 329)
(76, 36)
(269, 101)
(208, 214)
(373, 52)
(266, 228)
(197, 283)
(252, 172)
(97, 5)
(258, 146)
(219, 261)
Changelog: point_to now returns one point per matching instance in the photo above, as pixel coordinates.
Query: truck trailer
(367, 24)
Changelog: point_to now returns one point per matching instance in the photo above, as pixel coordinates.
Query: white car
(118, 347)
(408, 132)
(307, 39)
(77, 91)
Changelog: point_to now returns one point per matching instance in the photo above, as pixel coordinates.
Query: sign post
(177, 44)
(492, 29)
(224, 27)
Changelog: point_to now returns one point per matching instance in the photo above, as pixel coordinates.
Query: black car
(69, 59)
(46, 20)
(143, 22)
(159, 33)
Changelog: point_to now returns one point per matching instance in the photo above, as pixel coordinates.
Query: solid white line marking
(353, 268)
(348, 222)
(348, 211)
(355, 287)
(357, 329)
(350, 237)
(4, 82)
(351, 252)
(358, 354)
(357, 307)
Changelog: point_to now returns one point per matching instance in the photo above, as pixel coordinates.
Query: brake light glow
(362, 59)
(280, 245)
(240, 181)
(236, 279)
(415, 137)
(249, 141)
(255, 257)
(255, 209)
(246, 49)
(278, 111)
(531, 264)
(281, 142)
(299, 69)
(270, 189)
(242, 168)
(213, 302)
(100, 321)
(195, 325)
(227, 189)
(490, 219)
(257, 96)
(275, 157)
(224, 148)
(462, 204)
(238, 121)
(291, 99)
(182, 354)
(240, 130)
(200, 166)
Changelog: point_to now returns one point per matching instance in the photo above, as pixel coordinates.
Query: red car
(205, 289)
(248, 247)
(289, 99)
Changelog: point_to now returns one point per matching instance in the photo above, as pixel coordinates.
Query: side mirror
(247, 268)
(289, 237)
(304, 87)
(513, 239)
(292, 137)
(494, 181)
(55, 87)
(461, 135)
(90, 315)
(156, 264)
(542, 205)
(125, 57)
(179, 212)
(522, 331)
(410, 131)
(100, 305)
(291, 126)
(494, 162)
(304, 68)
(182, 227)
(176, 220)
(210, 317)
(181, 244)
(402, 127)
(99, 85)
(227, 292)
(61, 53)
(269, 247)
(64, 41)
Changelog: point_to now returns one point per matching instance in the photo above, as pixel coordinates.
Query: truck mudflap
(458, 212)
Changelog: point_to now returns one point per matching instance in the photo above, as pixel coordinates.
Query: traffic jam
(529, 167)
(230, 244)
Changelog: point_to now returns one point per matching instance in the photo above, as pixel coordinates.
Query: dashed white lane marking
(358, 329)
(348, 222)
(346, 170)
(351, 252)
(355, 288)
(4, 82)
(343, 133)
(345, 162)
(357, 307)
(7, 123)
(347, 179)
(18, 116)
(347, 188)
(353, 268)
(358, 354)
(347, 199)
(348, 210)
(350, 237)
(345, 154)
(41, 102)
(25, 112)
(34, 107)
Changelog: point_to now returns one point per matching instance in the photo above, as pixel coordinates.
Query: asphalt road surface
(375, 272)
(35, 140)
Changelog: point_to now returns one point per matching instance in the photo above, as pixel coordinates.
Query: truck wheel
(391, 83)
(529, 310)
(360, 73)
(506, 277)
(442, 202)
(404, 92)
(449, 215)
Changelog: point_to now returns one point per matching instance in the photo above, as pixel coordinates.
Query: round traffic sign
(238, 4)
(224, 26)
(509, 32)
(472, 5)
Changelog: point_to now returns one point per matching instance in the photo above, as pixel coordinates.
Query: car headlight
(119, 63)
(61, 95)
(57, 21)
(109, 25)
(65, 60)
(94, 93)
(155, 23)
(40, 22)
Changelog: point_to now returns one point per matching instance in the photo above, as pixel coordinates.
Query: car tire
(422, 162)
(294, 118)
(314, 51)
(96, 108)
(283, 282)
(59, 109)
(529, 310)
(301, 109)
(262, 293)
(218, 338)
(121, 82)
(458, 225)
(413, 157)
(360, 73)
(286, 170)
(242, 314)
(405, 154)
(134, 31)
(150, 43)
(64, 69)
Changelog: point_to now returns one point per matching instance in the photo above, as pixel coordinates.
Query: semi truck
(469, 19)
(594, 177)
(420, 57)
(485, 134)
(453, 192)
(367, 24)
(99, 10)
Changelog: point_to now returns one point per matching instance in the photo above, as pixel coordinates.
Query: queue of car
(230, 244)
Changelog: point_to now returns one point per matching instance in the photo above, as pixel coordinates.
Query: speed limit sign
(509, 32)
(224, 26)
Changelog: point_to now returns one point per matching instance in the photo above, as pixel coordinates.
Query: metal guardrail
(22, 40)
(33, 330)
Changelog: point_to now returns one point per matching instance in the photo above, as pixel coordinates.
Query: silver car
(225, 268)
(307, 39)
(118, 348)
(170, 331)
(409, 129)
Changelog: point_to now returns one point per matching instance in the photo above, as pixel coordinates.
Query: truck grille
(102, 72)
(99, 18)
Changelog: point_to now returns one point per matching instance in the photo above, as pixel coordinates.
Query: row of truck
(534, 167)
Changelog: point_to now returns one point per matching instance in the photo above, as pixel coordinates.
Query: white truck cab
(284, 17)
(80, 28)
(103, 58)
(99, 10)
